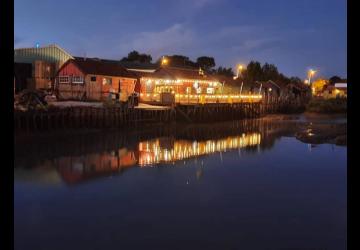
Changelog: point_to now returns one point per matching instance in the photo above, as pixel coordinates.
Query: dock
(70, 115)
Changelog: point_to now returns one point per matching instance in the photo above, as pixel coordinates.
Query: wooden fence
(116, 117)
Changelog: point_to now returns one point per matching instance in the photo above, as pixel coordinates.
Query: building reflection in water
(74, 169)
(91, 156)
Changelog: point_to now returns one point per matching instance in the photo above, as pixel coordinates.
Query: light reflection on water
(95, 155)
(167, 150)
(76, 163)
(241, 185)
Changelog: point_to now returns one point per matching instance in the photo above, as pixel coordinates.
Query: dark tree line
(135, 56)
(336, 79)
(254, 71)
(205, 62)
(257, 72)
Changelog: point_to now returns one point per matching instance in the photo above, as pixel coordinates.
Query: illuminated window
(210, 91)
(107, 80)
(64, 79)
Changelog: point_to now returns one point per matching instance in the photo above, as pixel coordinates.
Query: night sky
(295, 35)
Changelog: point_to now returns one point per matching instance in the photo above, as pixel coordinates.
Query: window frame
(80, 82)
(64, 82)
(106, 82)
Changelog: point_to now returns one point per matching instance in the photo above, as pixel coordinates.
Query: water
(247, 185)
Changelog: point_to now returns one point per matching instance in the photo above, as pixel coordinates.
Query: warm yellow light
(311, 72)
(164, 61)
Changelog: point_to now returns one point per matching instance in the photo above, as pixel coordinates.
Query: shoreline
(312, 128)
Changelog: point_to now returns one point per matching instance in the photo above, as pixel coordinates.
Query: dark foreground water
(247, 185)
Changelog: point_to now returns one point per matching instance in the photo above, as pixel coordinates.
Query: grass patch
(327, 106)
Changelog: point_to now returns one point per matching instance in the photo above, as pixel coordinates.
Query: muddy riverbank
(315, 128)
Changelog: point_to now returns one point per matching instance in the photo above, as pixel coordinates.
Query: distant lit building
(337, 90)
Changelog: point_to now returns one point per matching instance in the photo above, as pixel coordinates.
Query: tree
(295, 80)
(225, 71)
(282, 79)
(334, 79)
(253, 72)
(144, 58)
(206, 62)
(178, 61)
(269, 72)
(135, 56)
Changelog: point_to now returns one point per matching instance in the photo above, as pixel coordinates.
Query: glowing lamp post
(164, 61)
(239, 68)
(311, 73)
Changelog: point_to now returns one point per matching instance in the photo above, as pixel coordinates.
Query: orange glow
(164, 61)
(152, 152)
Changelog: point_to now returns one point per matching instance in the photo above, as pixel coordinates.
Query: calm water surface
(244, 185)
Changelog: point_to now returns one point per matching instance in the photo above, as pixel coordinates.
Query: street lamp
(311, 73)
(164, 61)
(239, 68)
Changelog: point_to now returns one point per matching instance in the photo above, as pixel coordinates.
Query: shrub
(333, 105)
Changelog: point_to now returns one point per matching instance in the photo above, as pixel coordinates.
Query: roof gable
(101, 68)
(268, 84)
(175, 73)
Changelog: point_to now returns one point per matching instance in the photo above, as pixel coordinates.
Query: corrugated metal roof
(51, 53)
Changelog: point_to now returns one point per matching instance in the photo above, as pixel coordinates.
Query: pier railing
(202, 98)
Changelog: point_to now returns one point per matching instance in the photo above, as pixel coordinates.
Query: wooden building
(268, 88)
(89, 79)
(298, 90)
(45, 62)
(22, 76)
(173, 84)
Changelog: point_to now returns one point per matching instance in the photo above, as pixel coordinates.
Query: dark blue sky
(293, 34)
